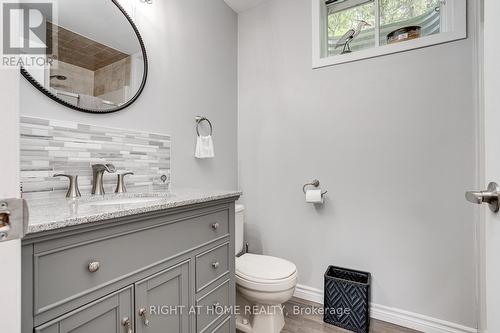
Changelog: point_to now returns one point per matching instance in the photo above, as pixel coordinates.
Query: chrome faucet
(97, 178)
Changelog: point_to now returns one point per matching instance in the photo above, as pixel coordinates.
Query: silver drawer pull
(143, 313)
(215, 265)
(94, 266)
(215, 226)
(127, 324)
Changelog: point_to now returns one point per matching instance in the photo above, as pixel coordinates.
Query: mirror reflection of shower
(89, 65)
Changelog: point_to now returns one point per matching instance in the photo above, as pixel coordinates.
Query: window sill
(388, 49)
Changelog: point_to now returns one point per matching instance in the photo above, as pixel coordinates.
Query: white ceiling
(242, 5)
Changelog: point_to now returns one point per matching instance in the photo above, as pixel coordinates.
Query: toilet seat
(265, 273)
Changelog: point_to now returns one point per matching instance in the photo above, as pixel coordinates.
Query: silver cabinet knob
(127, 324)
(215, 265)
(94, 266)
(144, 314)
(215, 226)
(491, 196)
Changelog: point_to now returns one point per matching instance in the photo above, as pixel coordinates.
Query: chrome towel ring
(314, 183)
(199, 120)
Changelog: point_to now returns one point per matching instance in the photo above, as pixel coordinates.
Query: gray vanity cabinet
(113, 314)
(143, 273)
(162, 301)
(167, 292)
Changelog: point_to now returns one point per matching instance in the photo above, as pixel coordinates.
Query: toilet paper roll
(314, 196)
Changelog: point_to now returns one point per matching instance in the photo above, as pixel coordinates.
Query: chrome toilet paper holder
(314, 183)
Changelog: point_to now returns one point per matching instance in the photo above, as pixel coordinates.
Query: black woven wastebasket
(347, 299)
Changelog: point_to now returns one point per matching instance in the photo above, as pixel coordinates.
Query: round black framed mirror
(96, 60)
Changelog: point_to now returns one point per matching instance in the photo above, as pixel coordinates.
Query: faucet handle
(104, 167)
(73, 190)
(120, 185)
(110, 168)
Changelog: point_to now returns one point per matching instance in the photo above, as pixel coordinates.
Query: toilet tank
(239, 228)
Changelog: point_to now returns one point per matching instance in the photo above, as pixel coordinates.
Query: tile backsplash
(51, 147)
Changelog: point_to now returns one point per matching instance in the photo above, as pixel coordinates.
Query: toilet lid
(260, 267)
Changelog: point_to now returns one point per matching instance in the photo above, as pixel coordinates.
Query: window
(341, 19)
(348, 30)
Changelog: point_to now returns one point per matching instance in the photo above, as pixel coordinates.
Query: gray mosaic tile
(51, 146)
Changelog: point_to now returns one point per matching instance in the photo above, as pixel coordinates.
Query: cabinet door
(162, 301)
(110, 314)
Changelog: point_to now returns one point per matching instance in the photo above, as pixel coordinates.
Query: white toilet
(263, 284)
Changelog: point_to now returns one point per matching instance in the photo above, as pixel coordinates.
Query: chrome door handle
(144, 315)
(491, 196)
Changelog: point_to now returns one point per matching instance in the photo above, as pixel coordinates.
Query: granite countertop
(54, 211)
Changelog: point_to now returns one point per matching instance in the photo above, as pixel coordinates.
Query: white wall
(10, 252)
(192, 50)
(393, 141)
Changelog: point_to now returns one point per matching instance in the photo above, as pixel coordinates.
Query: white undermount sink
(122, 201)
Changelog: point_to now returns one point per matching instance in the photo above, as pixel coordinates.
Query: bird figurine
(348, 37)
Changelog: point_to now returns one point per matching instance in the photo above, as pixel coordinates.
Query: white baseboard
(309, 294)
(394, 316)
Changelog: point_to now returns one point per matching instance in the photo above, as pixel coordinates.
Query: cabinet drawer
(64, 274)
(212, 306)
(211, 265)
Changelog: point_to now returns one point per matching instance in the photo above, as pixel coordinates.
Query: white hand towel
(204, 147)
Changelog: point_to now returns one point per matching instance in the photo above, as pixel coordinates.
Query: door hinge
(13, 219)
